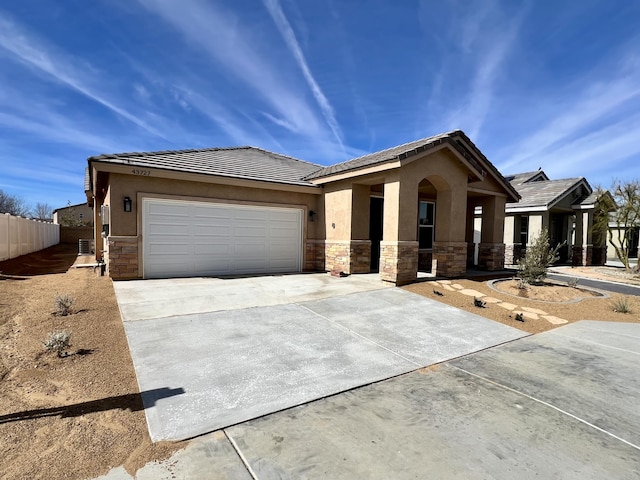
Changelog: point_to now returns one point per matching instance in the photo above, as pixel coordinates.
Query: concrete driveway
(231, 350)
(562, 404)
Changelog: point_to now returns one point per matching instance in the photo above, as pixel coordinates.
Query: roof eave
(118, 167)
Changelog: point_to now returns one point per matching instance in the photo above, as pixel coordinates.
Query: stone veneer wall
(491, 256)
(399, 262)
(122, 258)
(314, 259)
(449, 259)
(350, 256)
(586, 255)
(599, 255)
(513, 253)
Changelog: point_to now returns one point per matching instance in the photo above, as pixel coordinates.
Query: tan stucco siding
(449, 176)
(338, 208)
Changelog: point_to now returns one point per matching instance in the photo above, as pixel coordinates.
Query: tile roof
(546, 193)
(256, 164)
(518, 178)
(395, 153)
(236, 162)
(406, 150)
(590, 199)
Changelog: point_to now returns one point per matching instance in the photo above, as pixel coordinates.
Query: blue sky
(534, 84)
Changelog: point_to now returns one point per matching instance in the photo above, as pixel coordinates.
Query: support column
(578, 251)
(492, 250)
(509, 240)
(450, 247)
(399, 247)
(347, 248)
(473, 223)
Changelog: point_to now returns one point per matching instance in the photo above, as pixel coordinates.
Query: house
(566, 208)
(74, 215)
(244, 210)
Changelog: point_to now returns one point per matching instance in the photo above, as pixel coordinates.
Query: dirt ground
(559, 301)
(77, 417)
(73, 417)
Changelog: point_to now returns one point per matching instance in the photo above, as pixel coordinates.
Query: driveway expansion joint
(547, 404)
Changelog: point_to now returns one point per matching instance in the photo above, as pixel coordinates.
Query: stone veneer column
(398, 261)
(348, 256)
(449, 259)
(122, 258)
(314, 258)
(588, 255)
(598, 255)
(491, 256)
(578, 256)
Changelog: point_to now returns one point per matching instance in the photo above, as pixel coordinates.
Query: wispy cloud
(47, 125)
(278, 16)
(486, 31)
(221, 35)
(64, 68)
(583, 112)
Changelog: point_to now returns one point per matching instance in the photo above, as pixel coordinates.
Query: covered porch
(415, 211)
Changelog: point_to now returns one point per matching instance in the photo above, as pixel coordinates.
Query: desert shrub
(532, 268)
(573, 282)
(58, 342)
(64, 304)
(621, 305)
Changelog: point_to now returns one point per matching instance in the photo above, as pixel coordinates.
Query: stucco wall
(135, 187)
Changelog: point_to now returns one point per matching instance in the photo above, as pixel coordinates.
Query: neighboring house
(74, 215)
(244, 210)
(618, 232)
(566, 208)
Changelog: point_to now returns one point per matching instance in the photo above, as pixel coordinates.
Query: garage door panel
(169, 249)
(212, 230)
(168, 210)
(182, 238)
(211, 249)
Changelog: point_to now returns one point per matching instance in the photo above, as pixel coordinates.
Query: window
(524, 231)
(426, 224)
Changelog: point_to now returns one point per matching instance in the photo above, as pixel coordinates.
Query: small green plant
(573, 282)
(58, 342)
(532, 268)
(64, 304)
(621, 305)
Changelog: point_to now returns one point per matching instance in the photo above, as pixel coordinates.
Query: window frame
(426, 225)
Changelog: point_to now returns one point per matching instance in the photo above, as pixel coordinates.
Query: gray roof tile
(416, 147)
(236, 162)
(394, 153)
(546, 193)
(518, 178)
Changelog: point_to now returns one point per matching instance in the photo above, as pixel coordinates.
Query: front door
(376, 218)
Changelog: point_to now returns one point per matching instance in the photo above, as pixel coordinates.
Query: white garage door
(183, 239)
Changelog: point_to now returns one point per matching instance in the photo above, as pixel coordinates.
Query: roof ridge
(431, 137)
(153, 153)
(425, 140)
(284, 156)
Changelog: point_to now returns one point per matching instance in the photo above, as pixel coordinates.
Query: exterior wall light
(127, 204)
(312, 215)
